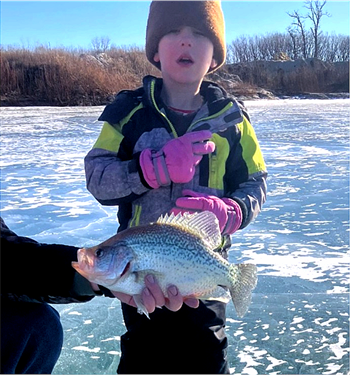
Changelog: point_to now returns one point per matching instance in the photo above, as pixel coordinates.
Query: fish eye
(99, 253)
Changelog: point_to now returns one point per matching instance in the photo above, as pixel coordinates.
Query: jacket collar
(216, 100)
(214, 95)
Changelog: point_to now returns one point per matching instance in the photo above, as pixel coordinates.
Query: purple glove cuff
(160, 169)
(234, 216)
(154, 169)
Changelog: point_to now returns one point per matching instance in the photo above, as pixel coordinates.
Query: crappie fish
(178, 250)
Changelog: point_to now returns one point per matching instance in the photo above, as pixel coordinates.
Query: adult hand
(152, 297)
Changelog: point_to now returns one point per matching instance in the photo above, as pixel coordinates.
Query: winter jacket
(136, 120)
(36, 272)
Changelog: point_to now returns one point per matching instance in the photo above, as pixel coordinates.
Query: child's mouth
(185, 61)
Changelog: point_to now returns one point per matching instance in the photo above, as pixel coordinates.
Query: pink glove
(177, 160)
(227, 211)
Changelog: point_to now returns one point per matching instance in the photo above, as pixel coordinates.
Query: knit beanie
(206, 16)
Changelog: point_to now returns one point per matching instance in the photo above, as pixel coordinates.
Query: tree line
(300, 41)
(331, 48)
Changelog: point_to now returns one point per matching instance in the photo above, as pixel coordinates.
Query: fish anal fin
(220, 293)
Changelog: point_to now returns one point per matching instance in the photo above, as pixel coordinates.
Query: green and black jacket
(136, 120)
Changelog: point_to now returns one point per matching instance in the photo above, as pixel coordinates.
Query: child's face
(185, 55)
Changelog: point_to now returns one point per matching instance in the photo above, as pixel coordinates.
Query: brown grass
(314, 76)
(60, 77)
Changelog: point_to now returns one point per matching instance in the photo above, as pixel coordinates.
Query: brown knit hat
(206, 16)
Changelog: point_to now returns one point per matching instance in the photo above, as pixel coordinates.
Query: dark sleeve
(40, 272)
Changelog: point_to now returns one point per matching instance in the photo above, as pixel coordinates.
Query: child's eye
(198, 33)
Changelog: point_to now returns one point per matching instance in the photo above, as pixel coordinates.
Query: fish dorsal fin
(203, 224)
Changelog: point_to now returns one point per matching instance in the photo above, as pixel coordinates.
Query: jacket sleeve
(36, 272)
(251, 174)
(112, 172)
(251, 196)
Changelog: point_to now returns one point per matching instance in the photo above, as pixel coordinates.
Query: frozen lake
(298, 322)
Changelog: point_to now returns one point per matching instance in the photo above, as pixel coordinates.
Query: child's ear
(213, 64)
(156, 57)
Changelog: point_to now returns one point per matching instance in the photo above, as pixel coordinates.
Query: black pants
(31, 337)
(190, 341)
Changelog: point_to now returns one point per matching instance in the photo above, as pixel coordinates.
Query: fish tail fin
(243, 281)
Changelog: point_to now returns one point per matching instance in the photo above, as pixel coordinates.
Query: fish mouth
(85, 263)
(82, 272)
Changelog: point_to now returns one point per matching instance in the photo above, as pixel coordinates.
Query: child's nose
(186, 43)
(186, 38)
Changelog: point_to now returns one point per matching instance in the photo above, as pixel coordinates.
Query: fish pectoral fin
(220, 293)
(141, 308)
(141, 274)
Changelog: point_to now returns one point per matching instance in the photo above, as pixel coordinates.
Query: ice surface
(298, 322)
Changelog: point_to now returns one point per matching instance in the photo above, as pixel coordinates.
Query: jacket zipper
(156, 107)
(212, 169)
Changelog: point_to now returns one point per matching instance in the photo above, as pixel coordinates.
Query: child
(154, 156)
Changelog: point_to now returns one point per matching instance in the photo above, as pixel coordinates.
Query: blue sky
(76, 23)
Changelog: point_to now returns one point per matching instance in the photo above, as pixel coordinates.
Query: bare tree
(294, 38)
(315, 15)
(344, 48)
(239, 50)
(300, 26)
(100, 43)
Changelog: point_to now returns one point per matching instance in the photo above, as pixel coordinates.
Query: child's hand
(177, 160)
(152, 297)
(227, 211)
